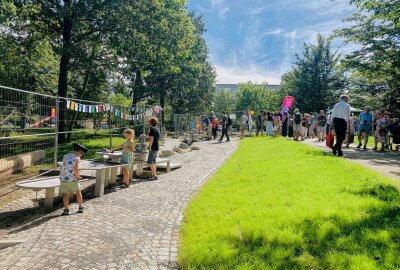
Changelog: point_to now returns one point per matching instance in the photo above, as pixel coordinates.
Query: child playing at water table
(69, 176)
(127, 154)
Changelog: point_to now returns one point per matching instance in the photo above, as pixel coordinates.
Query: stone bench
(48, 184)
(140, 164)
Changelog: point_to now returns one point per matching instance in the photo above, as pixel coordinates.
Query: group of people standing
(212, 124)
(271, 123)
(380, 124)
(339, 121)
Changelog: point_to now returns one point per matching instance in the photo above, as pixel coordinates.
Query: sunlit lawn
(278, 204)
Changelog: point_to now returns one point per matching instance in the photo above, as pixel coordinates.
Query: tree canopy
(374, 66)
(315, 81)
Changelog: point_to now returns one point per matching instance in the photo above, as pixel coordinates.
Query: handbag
(329, 140)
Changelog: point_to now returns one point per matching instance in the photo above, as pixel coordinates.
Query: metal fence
(36, 130)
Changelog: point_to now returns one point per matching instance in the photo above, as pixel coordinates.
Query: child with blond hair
(127, 154)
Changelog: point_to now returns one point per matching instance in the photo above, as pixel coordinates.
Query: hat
(79, 147)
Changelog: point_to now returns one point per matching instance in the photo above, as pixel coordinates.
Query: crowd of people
(340, 121)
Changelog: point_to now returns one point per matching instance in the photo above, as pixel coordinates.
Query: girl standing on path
(215, 126)
(277, 126)
(312, 126)
(379, 131)
(350, 131)
(127, 154)
(269, 125)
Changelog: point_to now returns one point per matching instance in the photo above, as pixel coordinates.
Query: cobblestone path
(135, 228)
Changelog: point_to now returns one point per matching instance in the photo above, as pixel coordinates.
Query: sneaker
(65, 212)
(340, 154)
(80, 211)
(359, 145)
(153, 178)
(228, 140)
(375, 148)
(365, 147)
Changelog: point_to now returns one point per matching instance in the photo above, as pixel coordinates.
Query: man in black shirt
(153, 147)
(224, 127)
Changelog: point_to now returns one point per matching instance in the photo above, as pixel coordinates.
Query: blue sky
(256, 39)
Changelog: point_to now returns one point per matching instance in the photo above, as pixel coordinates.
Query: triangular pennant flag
(68, 104)
(81, 107)
(92, 108)
(72, 105)
(77, 107)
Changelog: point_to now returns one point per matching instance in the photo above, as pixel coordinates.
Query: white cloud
(244, 74)
(272, 32)
(223, 11)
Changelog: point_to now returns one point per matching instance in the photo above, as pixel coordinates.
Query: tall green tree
(224, 100)
(258, 97)
(375, 65)
(315, 81)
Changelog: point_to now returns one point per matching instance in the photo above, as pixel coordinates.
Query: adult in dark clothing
(153, 147)
(285, 124)
(259, 123)
(224, 127)
(340, 114)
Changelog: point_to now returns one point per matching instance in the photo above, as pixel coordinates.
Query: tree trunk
(64, 67)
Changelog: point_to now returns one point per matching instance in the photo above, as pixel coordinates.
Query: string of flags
(139, 113)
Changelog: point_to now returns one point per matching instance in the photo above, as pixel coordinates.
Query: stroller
(394, 135)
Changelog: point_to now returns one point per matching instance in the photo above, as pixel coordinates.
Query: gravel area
(135, 228)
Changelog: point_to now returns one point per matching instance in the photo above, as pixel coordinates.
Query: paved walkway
(135, 228)
(386, 163)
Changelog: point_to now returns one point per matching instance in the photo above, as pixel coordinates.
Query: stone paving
(387, 163)
(135, 228)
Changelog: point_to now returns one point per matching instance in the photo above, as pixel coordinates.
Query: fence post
(56, 132)
(109, 125)
(143, 117)
(161, 120)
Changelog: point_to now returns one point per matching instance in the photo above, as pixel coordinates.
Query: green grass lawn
(94, 143)
(279, 204)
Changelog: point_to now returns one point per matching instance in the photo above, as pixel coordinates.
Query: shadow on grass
(328, 243)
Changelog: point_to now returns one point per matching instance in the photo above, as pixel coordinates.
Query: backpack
(229, 122)
(297, 119)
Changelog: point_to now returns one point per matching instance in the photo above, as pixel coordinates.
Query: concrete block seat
(162, 163)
